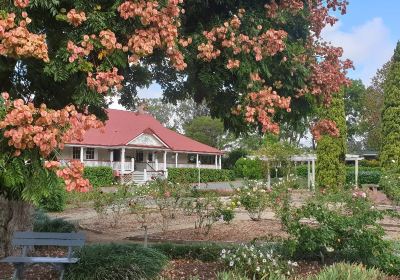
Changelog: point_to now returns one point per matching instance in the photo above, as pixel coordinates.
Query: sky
(368, 34)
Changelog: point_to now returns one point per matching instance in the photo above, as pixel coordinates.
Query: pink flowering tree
(30, 139)
(253, 62)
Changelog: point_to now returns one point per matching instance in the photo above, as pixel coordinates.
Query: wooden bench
(30, 239)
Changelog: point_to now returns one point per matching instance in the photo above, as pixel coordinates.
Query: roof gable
(147, 139)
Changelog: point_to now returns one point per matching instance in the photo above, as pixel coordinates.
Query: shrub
(54, 199)
(43, 223)
(348, 271)
(344, 225)
(302, 170)
(229, 161)
(256, 264)
(208, 210)
(191, 175)
(209, 252)
(390, 183)
(116, 261)
(249, 168)
(99, 176)
(165, 195)
(253, 197)
(227, 214)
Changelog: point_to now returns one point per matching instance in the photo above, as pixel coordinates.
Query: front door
(117, 155)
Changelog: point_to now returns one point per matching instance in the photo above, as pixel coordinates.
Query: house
(139, 147)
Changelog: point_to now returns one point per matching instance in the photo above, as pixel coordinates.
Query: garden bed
(181, 269)
(236, 232)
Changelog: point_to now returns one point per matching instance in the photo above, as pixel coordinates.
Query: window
(192, 158)
(150, 157)
(89, 153)
(76, 152)
(139, 156)
(207, 159)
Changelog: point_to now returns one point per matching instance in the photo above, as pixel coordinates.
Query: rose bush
(254, 197)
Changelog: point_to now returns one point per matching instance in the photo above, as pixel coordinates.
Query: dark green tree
(331, 150)
(206, 130)
(370, 124)
(390, 152)
(354, 96)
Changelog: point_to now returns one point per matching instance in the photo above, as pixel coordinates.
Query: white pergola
(310, 159)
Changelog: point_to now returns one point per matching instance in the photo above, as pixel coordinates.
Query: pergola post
(313, 174)
(176, 160)
(356, 172)
(216, 162)
(308, 175)
(165, 161)
(220, 162)
(268, 177)
(197, 160)
(122, 161)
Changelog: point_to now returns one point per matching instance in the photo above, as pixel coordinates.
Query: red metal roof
(124, 126)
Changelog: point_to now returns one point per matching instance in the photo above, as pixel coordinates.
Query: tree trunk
(15, 215)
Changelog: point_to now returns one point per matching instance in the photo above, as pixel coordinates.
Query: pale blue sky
(368, 34)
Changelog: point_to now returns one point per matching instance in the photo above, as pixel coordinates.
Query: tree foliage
(370, 125)
(206, 130)
(92, 45)
(354, 96)
(331, 150)
(175, 116)
(390, 153)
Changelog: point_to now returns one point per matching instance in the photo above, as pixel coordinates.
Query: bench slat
(39, 260)
(48, 242)
(48, 235)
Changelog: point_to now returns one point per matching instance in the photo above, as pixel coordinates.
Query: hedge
(99, 176)
(191, 175)
(366, 175)
(369, 163)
